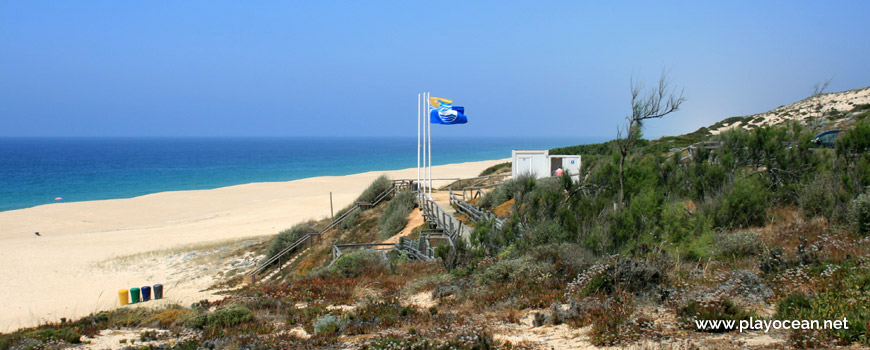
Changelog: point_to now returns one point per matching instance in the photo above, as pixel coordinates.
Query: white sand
(60, 274)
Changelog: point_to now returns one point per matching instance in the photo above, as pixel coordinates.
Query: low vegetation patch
(287, 238)
(496, 169)
(395, 217)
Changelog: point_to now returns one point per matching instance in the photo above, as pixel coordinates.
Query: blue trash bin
(146, 293)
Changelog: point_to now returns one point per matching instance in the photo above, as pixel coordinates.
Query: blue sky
(340, 68)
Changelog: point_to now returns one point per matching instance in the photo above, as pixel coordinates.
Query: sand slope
(60, 274)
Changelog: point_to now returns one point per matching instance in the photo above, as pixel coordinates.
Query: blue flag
(445, 113)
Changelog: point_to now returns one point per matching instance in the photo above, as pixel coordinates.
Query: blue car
(826, 138)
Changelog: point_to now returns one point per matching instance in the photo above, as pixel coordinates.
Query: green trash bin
(134, 295)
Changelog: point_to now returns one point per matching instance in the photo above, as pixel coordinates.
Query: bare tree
(820, 86)
(653, 104)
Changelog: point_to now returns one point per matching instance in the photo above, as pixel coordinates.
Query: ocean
(35, 171)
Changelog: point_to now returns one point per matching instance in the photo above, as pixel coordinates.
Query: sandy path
(57, 275)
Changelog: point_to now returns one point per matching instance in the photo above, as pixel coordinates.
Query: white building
(540, 163)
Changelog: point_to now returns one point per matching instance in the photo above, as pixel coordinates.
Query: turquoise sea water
(34, 171)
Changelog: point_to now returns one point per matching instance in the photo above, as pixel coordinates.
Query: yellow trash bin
(124, 296)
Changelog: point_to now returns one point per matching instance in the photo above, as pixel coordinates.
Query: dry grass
(208, 252)
(502, 210)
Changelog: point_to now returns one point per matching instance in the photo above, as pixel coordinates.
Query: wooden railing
(252, 276)
(476, 182)
(473, 212)
(417, 248)
(434, 213)
(340, 249)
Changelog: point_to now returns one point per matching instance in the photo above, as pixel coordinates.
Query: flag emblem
(442, 111)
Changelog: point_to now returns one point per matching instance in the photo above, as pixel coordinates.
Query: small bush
(395, 216)
(371, 193)
(198, 321)
(712, 308)
(513, 271)
(737, 244)
(610, 318)
(859, 213)
(378, 186)
(819, 196)
(230, 316)
(326, 324)
(359, 263)
(63, 334)
(637, 276)
(742, 205)
(350, 220)
(745, 284)
(287, 238)
(569, 259)
(511, 189)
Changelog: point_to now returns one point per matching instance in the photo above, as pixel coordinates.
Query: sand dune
(67, 271)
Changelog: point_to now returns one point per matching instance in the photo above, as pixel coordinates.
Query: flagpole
(425, 146)
(418, 143)
(425, 156)
(429, 122)
(423, 152)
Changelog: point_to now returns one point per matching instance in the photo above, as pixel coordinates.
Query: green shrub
(859, 213)
(638, 222)
(819, 196)
(793, 306)
(737, 244)
(742, 205)
(568, 259)
(378, 186)
(543, 232)
(198, 321)
(513, 271)
(350, 220)
(230, 316)
(495, 168)
(359, 263)
(843, 300)
(691, 234)
(326, 324)
(63, 334)
(371, 193)
(509, 190)
(286, 238)
(395, 216)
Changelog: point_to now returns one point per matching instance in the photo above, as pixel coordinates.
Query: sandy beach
(90, 250)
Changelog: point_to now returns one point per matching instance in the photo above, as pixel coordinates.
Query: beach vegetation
(395, 217)
(351, 219)
(287, 238)
(859, 213)
(370, 194)
(361, 263)
(496, 169)
(378, 186)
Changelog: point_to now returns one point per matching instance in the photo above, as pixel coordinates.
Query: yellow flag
(436, 101)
